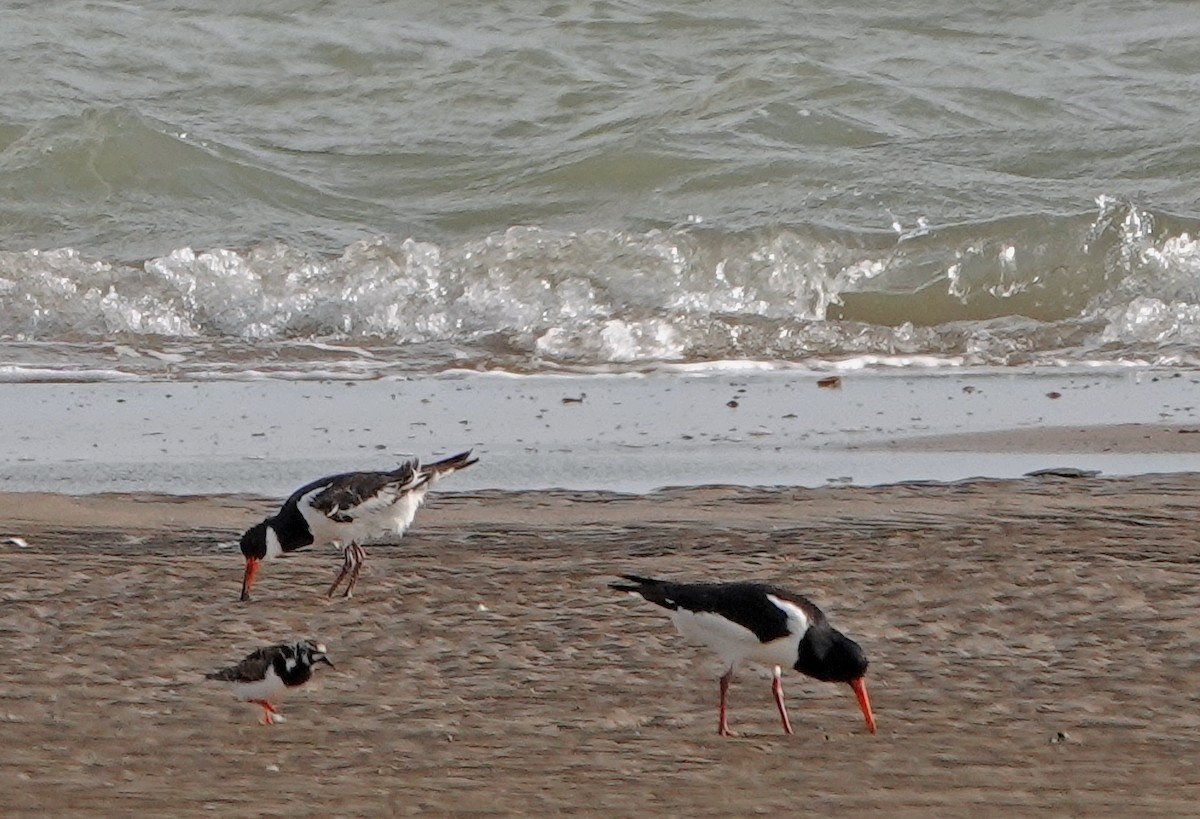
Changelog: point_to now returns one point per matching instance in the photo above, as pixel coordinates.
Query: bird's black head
(254, 548)
(254, 542)
(310, 652)
(830, 656)
(294, 662)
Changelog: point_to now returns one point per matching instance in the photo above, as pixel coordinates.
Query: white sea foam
(1016, 292)
(15, 374)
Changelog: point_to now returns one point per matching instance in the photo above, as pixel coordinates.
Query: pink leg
(347, 563)
(777, 690)
(360, 557)
(723, 725)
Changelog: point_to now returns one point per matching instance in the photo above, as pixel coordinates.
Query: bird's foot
(269, 715)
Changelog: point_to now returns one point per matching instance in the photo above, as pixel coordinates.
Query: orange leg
(268, 711)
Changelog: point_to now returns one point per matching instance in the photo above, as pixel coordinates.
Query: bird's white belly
(734, 643)
(270, 688)
(367, 523)
(325, 530)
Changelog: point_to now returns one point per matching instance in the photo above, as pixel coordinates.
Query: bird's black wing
(746, 604)
(342, 494)
(254, 667)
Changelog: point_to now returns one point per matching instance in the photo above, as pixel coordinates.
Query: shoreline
(619, 434)
(206, 522)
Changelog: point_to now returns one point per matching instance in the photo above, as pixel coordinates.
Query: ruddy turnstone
(345, 510)
(763, 624)
(266, 674)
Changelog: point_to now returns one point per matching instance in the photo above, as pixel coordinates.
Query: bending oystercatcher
(762, 624)
(345, 510)
(264, 675)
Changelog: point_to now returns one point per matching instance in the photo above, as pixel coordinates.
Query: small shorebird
(345, 510)
(266, 674)
(761, 624)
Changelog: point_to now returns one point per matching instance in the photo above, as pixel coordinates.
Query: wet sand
(1034, 649)
(628, 433)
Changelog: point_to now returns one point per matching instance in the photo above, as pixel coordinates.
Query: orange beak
(864, 702)
(248, 578)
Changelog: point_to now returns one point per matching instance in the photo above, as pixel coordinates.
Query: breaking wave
(1120, 284)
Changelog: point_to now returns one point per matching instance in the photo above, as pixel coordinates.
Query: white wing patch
(274, 547)
(797, 619)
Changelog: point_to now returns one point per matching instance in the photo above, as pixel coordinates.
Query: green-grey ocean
(214, 189)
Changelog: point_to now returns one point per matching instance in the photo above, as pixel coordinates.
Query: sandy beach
(1033, 646)
(1033, 641)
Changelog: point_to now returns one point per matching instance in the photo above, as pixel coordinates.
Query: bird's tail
(659, 592)
(406, 473)
(644, 584)
(432, 472)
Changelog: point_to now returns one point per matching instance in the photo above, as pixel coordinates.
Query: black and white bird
(266, 674)
(345, 510)
(764, 624)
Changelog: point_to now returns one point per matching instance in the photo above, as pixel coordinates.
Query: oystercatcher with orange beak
(758, 623)
(345, 510)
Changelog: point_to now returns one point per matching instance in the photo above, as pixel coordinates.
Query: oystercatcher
(345, 510)
(264, 675)
(761, 624)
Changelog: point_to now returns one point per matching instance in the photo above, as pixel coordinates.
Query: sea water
(356, 189)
